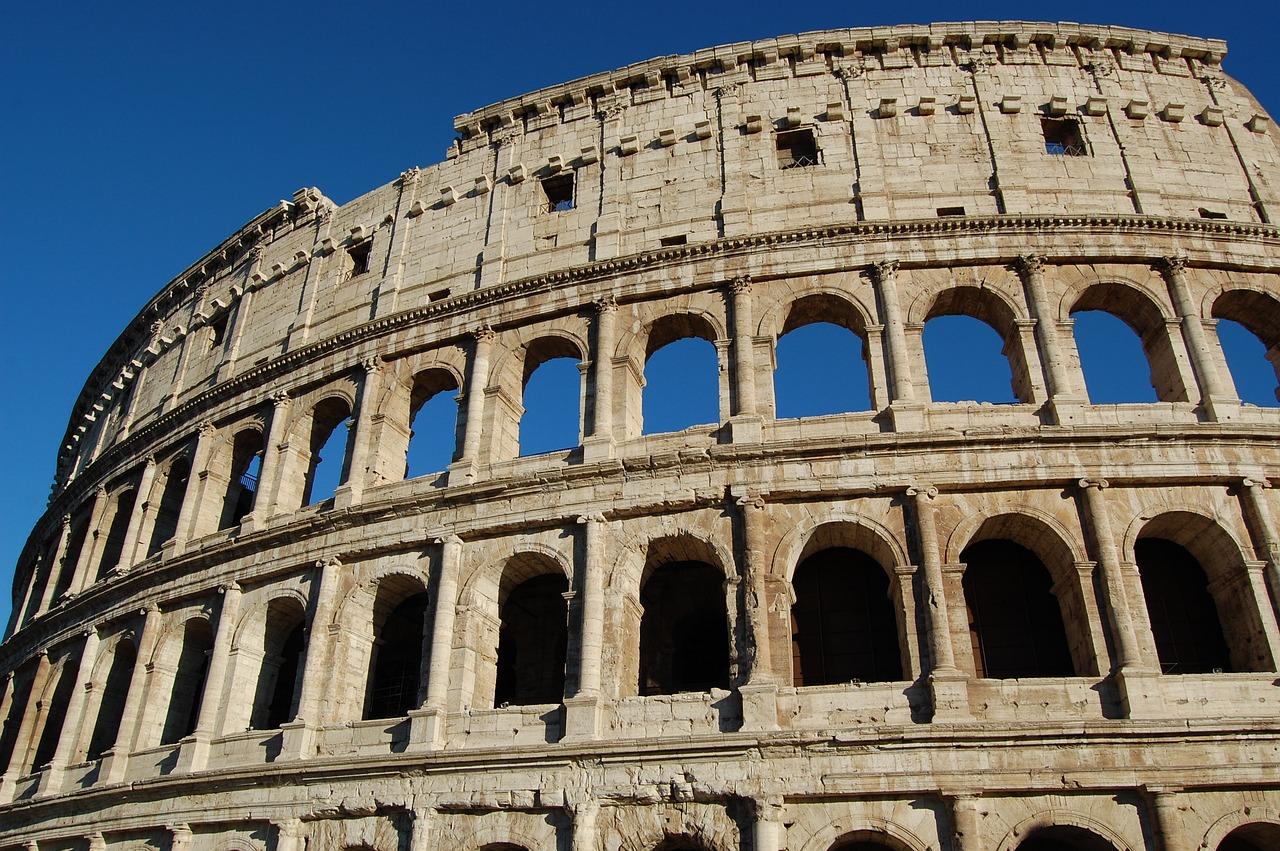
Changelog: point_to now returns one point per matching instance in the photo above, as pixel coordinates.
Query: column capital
(751, 499)
(206, 429)
(1087, 483)
(149, 609)
(228, 588)
(740, 284)
(450, 538)
(1172, 265)
(595, 517)
(280, 398)
(290, 827)
(605, 304)
(483, 334)
(66, 520)
(1250, 482)
(331, 561)
(371, 364)
(883, 269)
(1027, 265)
(924, 489)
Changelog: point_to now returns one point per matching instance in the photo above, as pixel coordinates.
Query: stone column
(269, 474)
(1257, 515)
(96, 842)
(768, 832)
(599, 444)
(195, 492)
(428, 725)
(289, 835)
(1217, 397)
(582, 711)
(300, 732)
(352, 490)
(586, 834)
(194, 754)
(1132, 678)
(464, 469)
(138, 518)
(423, 830)
(116, 760)
(72, 721)
(907, 413)
(1062, 398)
(745, 424)
(179, 837)
(967, 823)
(56, 565)
(23, 742)
(760, 691)
(82, 578)
(947, 684)
(1166, 820)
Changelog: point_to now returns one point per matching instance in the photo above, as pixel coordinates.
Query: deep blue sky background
(136, 136)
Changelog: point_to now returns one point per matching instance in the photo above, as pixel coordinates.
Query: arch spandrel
(1230, 822)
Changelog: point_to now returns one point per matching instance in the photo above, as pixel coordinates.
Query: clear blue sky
(140, 135)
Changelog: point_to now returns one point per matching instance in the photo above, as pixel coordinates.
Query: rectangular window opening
(358, 258)
(1206, 213)
(439, 295)
(950, 211)
(217, 332)
(797, 149)
(672, 241)
(559, 192)
(1062, 137)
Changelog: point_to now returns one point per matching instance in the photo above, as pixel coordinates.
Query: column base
(1221, 410)
(746, 428)
(949, 691)
(428, 728)
(1065, 410)
(460, 473)
(1140, 693)
(346, 496)
(193, 753)
(582, 716)
(759, 707)
(298, 740)
(50, 780)
(597, 449)
(906, 416)
(8, 785)
(113, 767)
(251, 522)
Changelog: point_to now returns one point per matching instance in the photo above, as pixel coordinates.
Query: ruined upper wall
(909, 123)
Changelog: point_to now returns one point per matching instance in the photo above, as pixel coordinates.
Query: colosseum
(1043, 625)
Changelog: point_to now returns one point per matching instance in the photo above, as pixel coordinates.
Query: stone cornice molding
(856, 233)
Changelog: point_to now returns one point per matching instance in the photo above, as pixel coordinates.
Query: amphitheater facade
(1049, 624)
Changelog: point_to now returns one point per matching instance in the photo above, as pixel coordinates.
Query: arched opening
(680, 842)
(395, 665)
(76, 535)
(55, 714)
(1259, 836)
(1064, 837)
(283, 643)
(1015, 622)
(502, 846)
(972, 350)
(843, 627)
(187, 691)
(433, 423)
(551, 395)
(684, 623)
(1184, 619)
(170, 506)
(681, 375)
(866, 840)
(1112, 369)
(113, 549)
(115, 691)
(327, 467)
(532, 642)
(20, 697)
(242, 482)
(1111, 356)
(1249, 332)
(821, 360)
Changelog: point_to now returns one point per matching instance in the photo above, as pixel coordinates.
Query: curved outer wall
(933, 194)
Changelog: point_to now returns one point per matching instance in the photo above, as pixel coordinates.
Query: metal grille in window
(358, 259)
(797, 149)
(1062, 138)
(559, 192)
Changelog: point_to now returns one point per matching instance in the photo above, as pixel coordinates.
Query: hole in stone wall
(242, 481)
(684, 636)
(329, 443)
(1062, 137)
(966, 362)
(551, 400)
(114, 693)
(1184, 618)
(682, 386)
(433, 423)
(358, 257)
(187, 690)
(557, 191)
(797, 149)
(945, 212)
(672, 241)
(1247, 361)
(1206, 213)
(395, 670)
(532, 643)
(821, 370)
(1115, 365)
(175, 488)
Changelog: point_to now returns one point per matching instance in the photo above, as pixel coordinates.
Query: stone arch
(169, 492)
(863, 533)
(180, 663)
(1226, 824)
(348, 607)
(237, 843)
(267, 647)
(1071, 295)
(123, 498)
(777, 318)
(486, 835)
(864, 829)
(1149, 318)
(1059, 552)
(991, 306)
(111, 676)
(695, 825)
(1021, 831)
(831, 307)
(1257, 309)
(230, 466)
(1220, 556)
(254, 614)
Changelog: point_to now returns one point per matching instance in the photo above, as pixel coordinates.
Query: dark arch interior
(175, 488)
(113, 549)
(680, 843)
(532, 643)
(106, 730)
(188, 682)
(684, 630)
(75, 546)
(842, 622)
(1261, 836)
(21, 686)
(1184, 618)
(56, 714)
(862, 845)
(395, 669)
(1015, 622)
(242, 484)
(284, 641)
(1064, 838)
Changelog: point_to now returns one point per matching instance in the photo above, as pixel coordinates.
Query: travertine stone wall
(933, 194)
